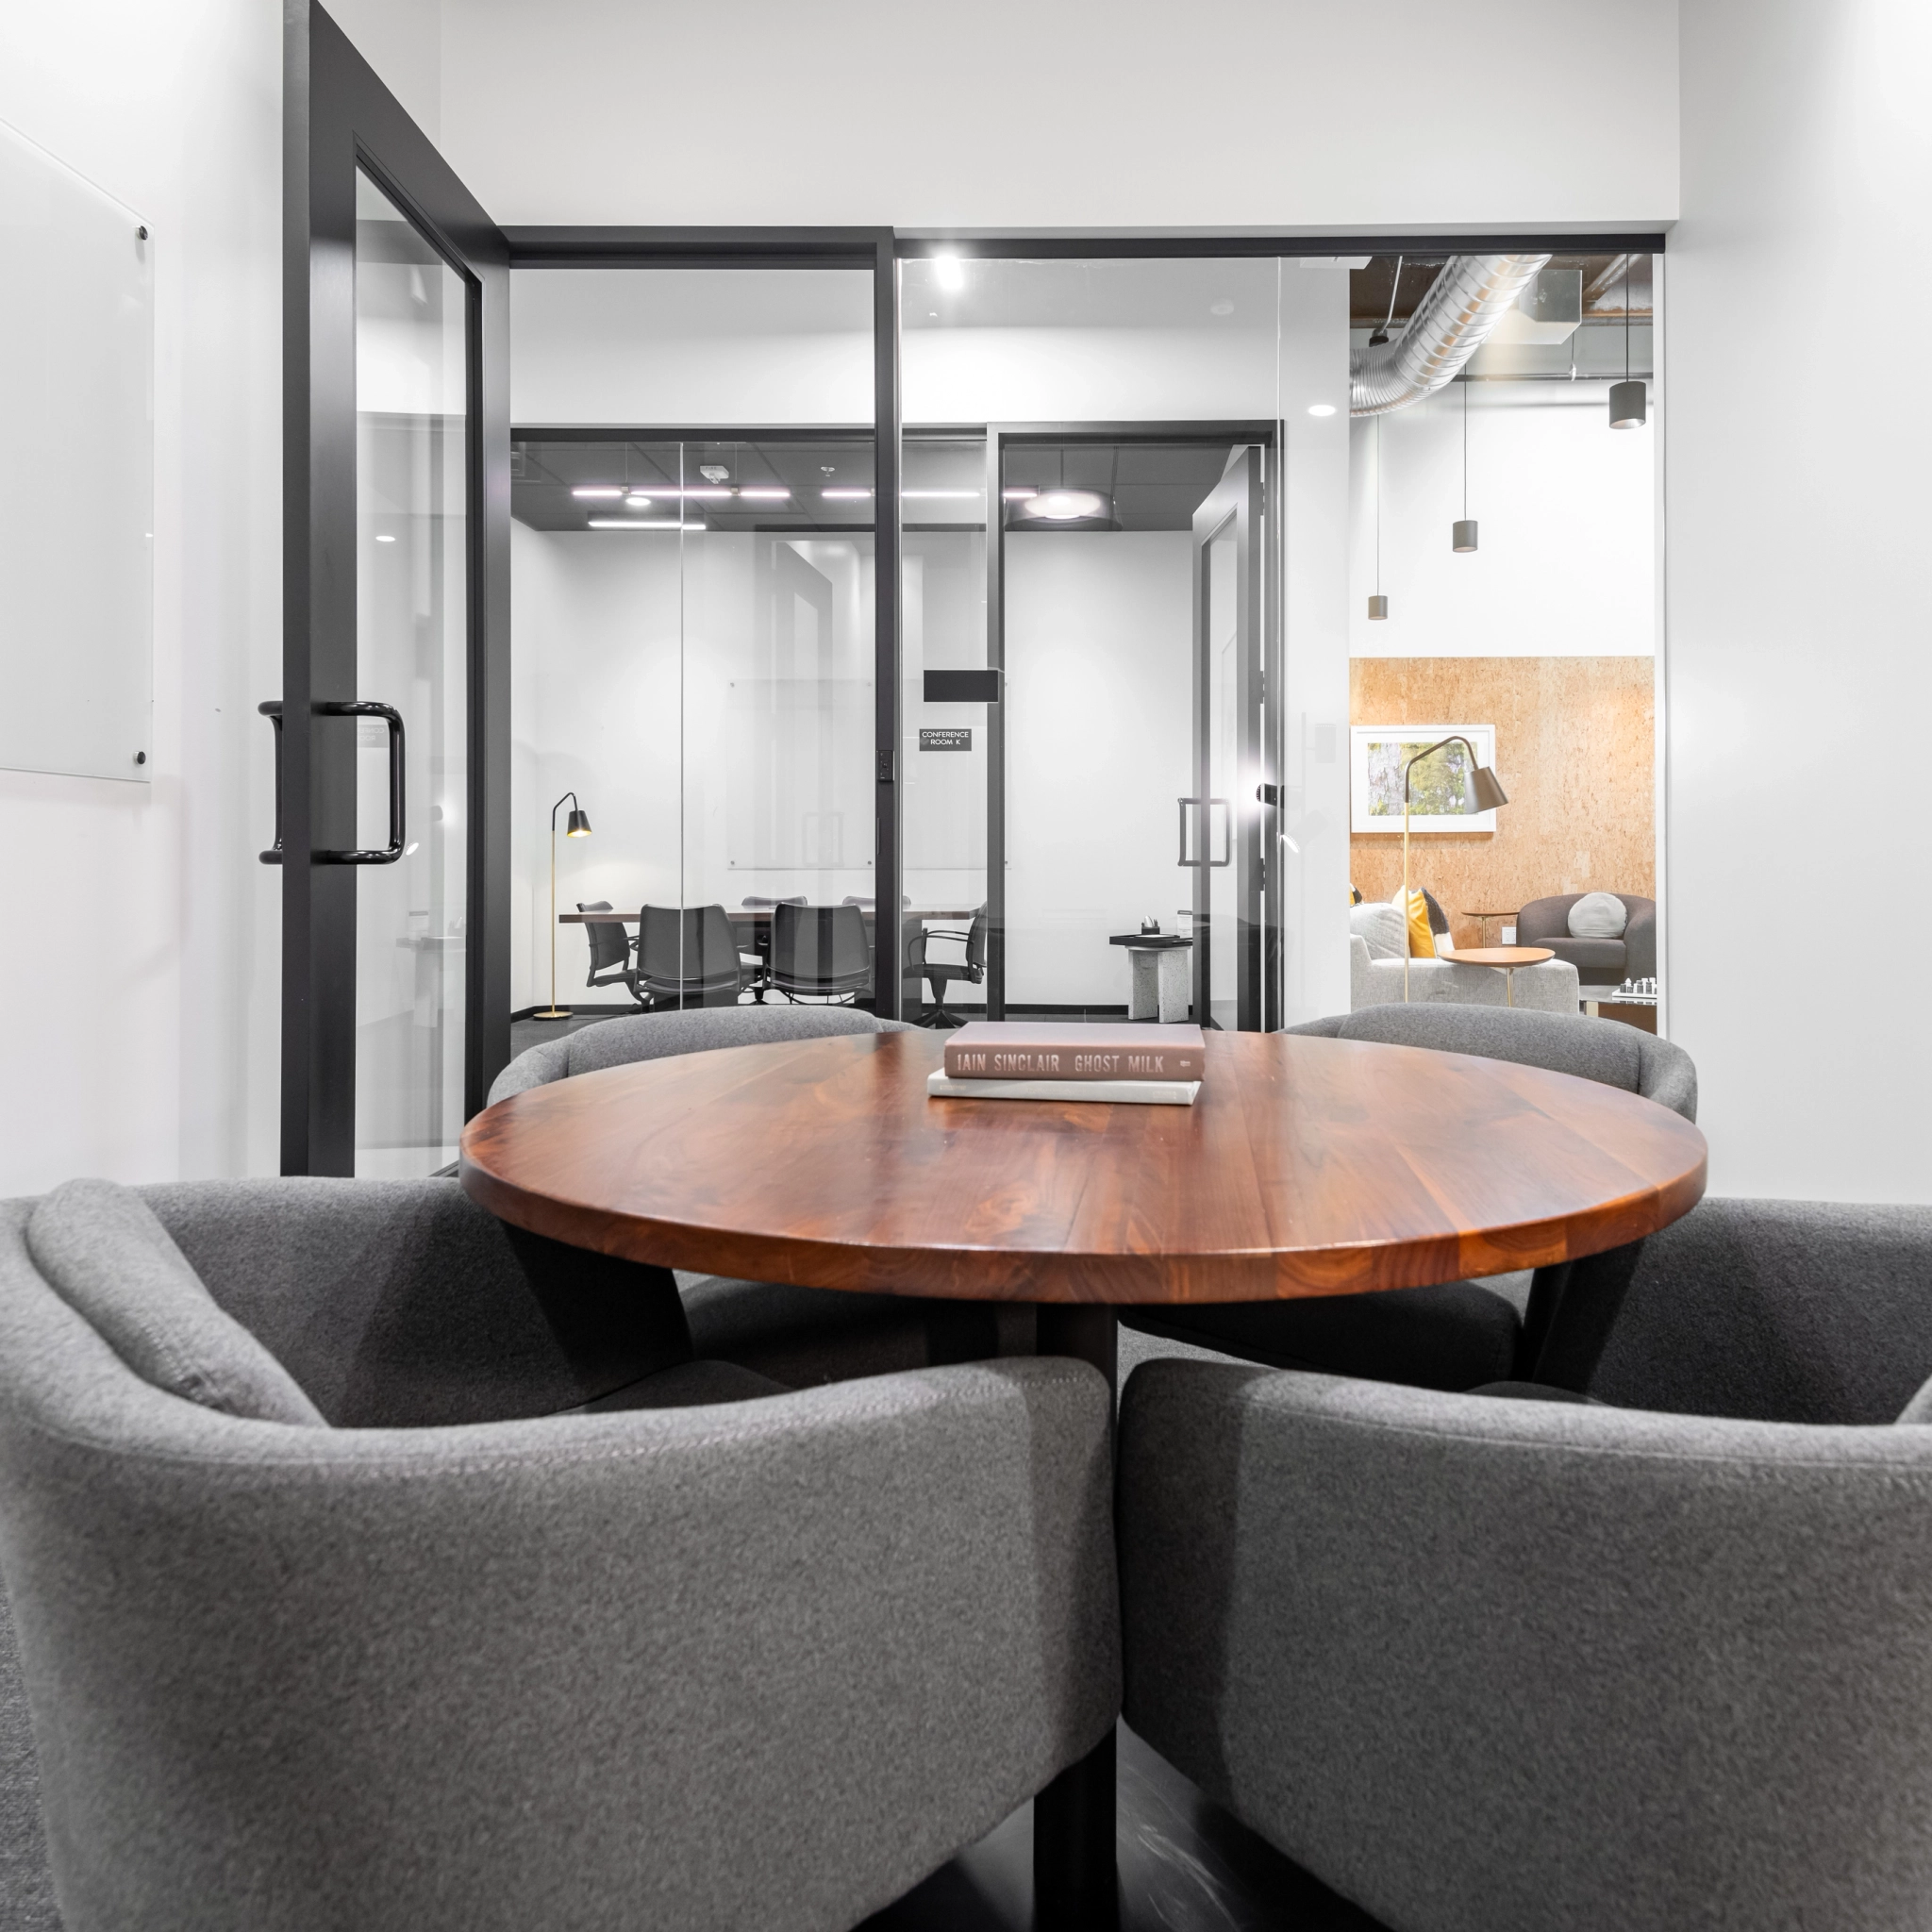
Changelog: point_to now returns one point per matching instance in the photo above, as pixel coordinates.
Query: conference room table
(1305, 1167)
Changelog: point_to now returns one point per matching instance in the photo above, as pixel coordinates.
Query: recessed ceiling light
(598, 490)
(844, 496)
(948, 272)
(640, 524)
(637, 502)
(766, 496)
(385, 540)
(1321, 408)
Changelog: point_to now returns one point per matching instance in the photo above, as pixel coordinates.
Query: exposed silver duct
(1450, 323)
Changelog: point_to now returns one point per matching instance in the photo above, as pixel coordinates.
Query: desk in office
(761, 915)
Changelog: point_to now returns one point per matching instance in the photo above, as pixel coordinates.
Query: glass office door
(1129, 624)
(394, 696)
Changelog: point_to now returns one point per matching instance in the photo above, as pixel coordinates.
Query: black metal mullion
(888, 867)
(995, 728)
(1249, 860)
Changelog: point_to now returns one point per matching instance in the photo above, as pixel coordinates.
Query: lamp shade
(1462, 536)
(1488, 793)
(578, 825)
(1378, 608)
(1628, 400)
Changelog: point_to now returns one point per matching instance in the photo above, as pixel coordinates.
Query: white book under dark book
(1089, 1092)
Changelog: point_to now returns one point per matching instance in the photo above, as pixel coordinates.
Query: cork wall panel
(1575, 750)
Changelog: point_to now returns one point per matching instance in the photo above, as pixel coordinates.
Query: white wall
(1037, 114)
(139, 970)
(1800, 664)
(1566, 510)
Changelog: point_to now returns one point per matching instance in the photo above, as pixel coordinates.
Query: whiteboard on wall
(77, 481)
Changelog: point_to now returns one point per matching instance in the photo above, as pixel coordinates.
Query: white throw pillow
(1382, 928)
(1598, 916)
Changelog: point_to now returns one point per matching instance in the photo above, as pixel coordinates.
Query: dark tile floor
(1185, 1866)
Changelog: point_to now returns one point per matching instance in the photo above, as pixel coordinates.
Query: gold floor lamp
(578, 826)
(1485, 796)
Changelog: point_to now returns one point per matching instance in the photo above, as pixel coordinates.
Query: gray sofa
(327, 1618)
(798, 1336)
(1489, 1666)
(1598, 962)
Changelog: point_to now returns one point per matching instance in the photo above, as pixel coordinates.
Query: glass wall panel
(1537, 625)
(411, 651)
(694, 635)
(1116, 395)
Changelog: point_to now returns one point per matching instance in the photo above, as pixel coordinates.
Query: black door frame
(999, 437)
(339, 118)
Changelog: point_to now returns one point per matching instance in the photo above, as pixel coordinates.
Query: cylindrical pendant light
(1379, 604)
(1462, 532)
(1628, 399)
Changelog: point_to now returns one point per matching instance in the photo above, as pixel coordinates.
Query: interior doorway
(1126, 742)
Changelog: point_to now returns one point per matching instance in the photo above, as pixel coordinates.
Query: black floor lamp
(578, 826)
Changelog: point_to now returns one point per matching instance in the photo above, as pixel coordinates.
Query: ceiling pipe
(1450, 323)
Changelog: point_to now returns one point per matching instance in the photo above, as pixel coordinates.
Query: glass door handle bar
(385, 855)
(1184, 859)
(1227, 830)
(270, 708)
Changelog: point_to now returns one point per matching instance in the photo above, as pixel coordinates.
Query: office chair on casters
(761, 941)
(942, 972)
(687, 956)
(611, 950)
(820, 952)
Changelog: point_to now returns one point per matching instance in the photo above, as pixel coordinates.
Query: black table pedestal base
(1076, 1881)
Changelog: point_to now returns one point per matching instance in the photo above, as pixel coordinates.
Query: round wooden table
(1508, 958)
(1307, 1167)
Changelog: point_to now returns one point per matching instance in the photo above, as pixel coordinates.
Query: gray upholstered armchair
(328, 1617)
(1508, 1665)
(1598, 962)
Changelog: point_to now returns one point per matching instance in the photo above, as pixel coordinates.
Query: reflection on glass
(411, 652)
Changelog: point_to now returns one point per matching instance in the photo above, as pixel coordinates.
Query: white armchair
(1550, 988)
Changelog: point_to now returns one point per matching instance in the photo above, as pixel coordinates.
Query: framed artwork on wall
(1439, 789)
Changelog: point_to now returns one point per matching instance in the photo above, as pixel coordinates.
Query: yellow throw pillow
(1422, 942)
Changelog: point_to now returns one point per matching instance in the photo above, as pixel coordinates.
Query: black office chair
(687, 956)
(820, 952)
(761, 941)
(942, 973)
(611, 950)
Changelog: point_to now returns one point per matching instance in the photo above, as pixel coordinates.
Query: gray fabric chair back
(820, 950)
(1602, 1050)
(592, 1670)
(652, 1035)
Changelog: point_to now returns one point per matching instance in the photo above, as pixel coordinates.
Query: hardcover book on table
(1061, 1049)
